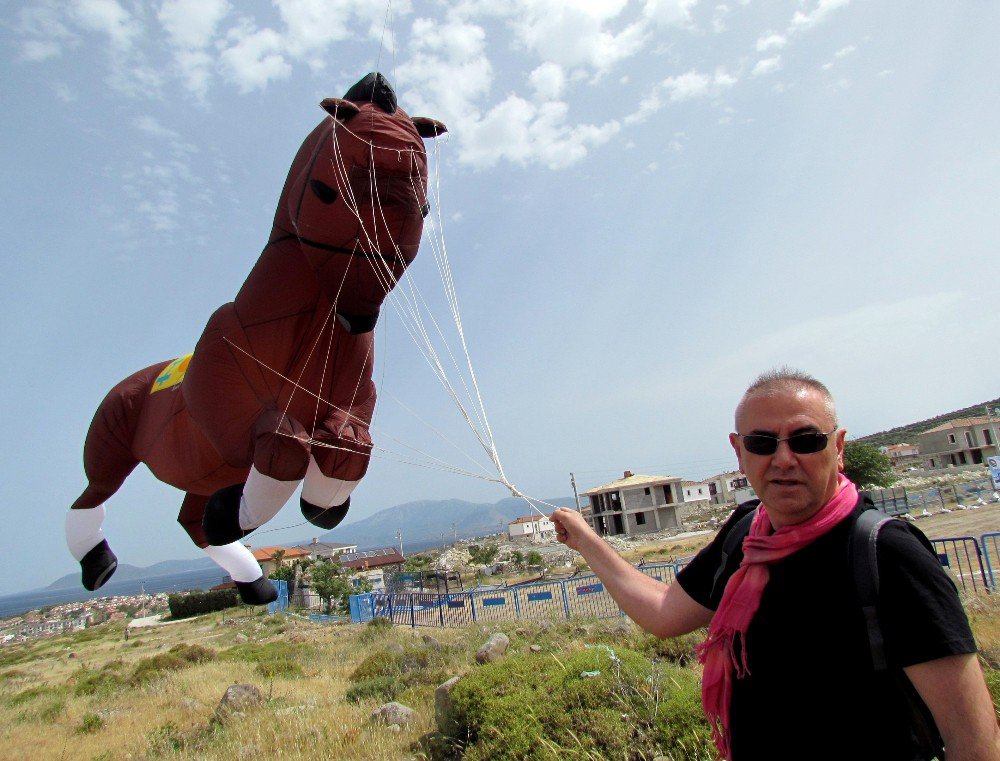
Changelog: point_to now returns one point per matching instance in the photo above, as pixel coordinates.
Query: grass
(579, 690)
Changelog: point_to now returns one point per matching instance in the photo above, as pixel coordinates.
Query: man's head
(782, 404)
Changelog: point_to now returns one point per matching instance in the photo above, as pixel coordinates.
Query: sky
(644, 205)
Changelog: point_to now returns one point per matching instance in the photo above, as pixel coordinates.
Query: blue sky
(644, 204)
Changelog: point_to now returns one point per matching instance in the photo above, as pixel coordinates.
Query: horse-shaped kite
(279, 389)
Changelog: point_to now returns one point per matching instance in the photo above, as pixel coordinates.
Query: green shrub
(282, 660)
(32, 693)
(593, 703)
(376, 629)
(187, 604)
(89, 724)
(386, 674)
(104, 680)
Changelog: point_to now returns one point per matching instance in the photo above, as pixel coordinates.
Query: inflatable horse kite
(279, 389)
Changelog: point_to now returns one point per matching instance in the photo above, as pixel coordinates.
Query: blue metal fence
(963, 558)
(970, 562)
(991, 549)
(579, 597)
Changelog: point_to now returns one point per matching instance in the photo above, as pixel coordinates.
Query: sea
(205, 578)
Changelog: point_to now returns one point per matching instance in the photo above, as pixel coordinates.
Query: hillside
(904, 434)
(433, 521)
(99, 694)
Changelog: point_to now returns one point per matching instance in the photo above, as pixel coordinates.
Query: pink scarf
(741, 599)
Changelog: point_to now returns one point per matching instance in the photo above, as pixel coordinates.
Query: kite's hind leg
(107, 461)
(234, 558)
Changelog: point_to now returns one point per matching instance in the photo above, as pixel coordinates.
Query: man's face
(792, 486)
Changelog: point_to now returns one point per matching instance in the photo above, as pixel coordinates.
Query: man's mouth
(785, 482)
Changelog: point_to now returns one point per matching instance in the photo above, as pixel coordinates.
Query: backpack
(863, 560)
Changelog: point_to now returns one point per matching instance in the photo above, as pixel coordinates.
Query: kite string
(412, 309)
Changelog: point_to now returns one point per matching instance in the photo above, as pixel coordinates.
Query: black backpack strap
(733, 540)
(864, 564)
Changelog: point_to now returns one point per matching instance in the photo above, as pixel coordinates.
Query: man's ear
(734, 441)
(841, 437)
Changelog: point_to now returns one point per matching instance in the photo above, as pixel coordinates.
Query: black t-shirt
(812, 692)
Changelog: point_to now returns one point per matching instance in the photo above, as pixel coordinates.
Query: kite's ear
(428, 127)
(342, 110)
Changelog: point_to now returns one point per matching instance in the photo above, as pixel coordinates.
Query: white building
(636, 504)
(729, 487)
(695, 491)
(531, 528)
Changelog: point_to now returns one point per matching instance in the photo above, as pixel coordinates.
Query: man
(788, 671)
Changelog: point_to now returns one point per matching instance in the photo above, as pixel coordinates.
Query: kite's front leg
(280, 461)
(338, 463)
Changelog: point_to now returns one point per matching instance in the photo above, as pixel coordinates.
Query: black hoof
(328, 518)
(259, 592)
(98, 565)
(222, 516)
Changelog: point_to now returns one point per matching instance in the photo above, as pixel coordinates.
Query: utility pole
(572, 480)
(454, 531)
(399, 536)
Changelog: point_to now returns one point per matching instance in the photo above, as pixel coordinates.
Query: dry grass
(52, 704)
(96, 696)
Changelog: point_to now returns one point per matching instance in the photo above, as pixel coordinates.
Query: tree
(281, 571)
(484, 555)
(534, 558)
(335, 586)
(867, 466)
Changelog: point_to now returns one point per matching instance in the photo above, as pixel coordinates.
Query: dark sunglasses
(800, 443)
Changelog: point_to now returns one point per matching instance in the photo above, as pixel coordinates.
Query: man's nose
(783, 455)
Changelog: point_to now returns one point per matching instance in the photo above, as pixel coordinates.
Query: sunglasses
(800, 443)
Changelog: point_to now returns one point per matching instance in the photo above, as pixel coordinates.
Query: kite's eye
(323, 192)
(425, 210)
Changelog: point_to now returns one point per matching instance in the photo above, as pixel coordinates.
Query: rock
(432, 643)
(443, 709)
(623, 628)
(493, 649)
(535, 648)
(241, 638)
(522, 632)
(394, 713)
(395, 648)
(237, 699)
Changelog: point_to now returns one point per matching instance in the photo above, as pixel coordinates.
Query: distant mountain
(904, 434)
(126, 572)
(430, 521)
(423, 524)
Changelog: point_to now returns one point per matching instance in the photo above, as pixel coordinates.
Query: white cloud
(766, 66)
(42, 31)
(688, 86)
(771, 41)
(719, 16)
(525, 133)
(844, 52)
(548, 81)
(669, 12)
(108, 17)
(64, 93)
(449, 72)
(802, 21)
(694, 84)
(311, 26)
(253, 57)
(151, 126)
(191, 24)
(575, 33)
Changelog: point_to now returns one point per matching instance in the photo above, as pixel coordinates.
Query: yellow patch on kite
(172, 374)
